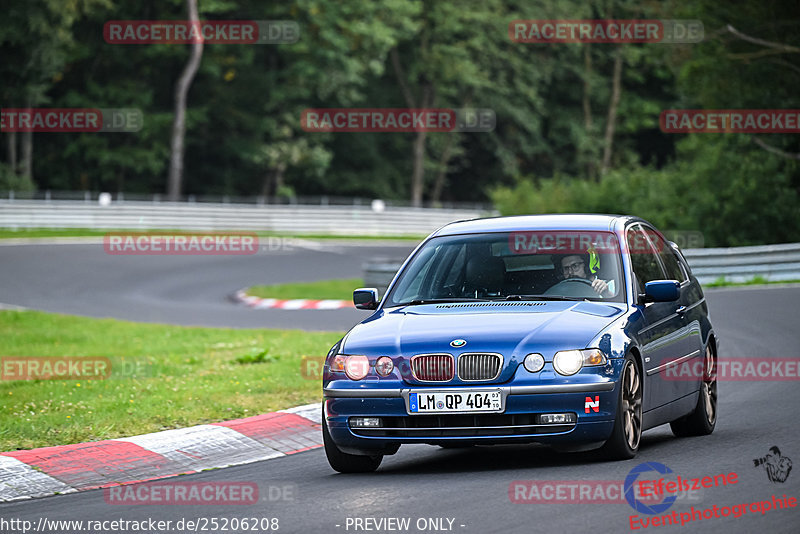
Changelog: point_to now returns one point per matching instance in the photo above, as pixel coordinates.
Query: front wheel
(703, 419)
(343, 462)
(624, 441)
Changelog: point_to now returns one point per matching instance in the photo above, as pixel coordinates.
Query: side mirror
(366, 298)
(662, 291)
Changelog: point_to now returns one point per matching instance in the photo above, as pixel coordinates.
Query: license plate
(490, 401)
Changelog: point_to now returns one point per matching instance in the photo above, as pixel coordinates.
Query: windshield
(546, 265)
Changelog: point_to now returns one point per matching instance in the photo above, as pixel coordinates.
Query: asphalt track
(82, 279)
(468, 486)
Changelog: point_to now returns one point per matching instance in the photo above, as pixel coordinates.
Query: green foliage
(337, 289)
(551, 102)
(720, 185)
(11, 181)
(755, 281)
(257, 356)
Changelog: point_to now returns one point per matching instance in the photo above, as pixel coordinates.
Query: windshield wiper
(542, 297)
(417, 302)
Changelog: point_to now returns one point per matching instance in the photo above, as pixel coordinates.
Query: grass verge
(162, 377)
(340, 289)
(755, 281)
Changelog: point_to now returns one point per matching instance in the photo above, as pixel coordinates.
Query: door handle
(681, 310)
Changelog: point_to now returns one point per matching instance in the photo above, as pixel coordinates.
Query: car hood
(513, 328)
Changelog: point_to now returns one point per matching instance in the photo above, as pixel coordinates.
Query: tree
(35, 41)
(174, 182)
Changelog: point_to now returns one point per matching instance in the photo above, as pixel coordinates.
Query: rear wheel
(703, 419)
(624, 441)
(343, 462)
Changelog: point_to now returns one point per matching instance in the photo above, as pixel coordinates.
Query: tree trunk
(11, 149)
(266, 185)
(279, 181)
(418, 150)
(591, 168)
(175, 180)
(273, 181)
(438, 185)
(26, 166)
(418, 174)
(611, 123)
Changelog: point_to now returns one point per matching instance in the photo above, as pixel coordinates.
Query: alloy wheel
(632, 404)
(710, 386)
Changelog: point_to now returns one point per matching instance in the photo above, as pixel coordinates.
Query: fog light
(533, 362)
(384, 366)
(366, 422)
(556, 418)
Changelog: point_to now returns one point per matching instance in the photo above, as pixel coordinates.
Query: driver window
(674, 271)
(644, 260)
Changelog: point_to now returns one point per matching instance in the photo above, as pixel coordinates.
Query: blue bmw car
(555, 329)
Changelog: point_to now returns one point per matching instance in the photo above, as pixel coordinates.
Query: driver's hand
(600, 286)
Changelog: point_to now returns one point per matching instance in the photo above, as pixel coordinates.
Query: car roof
(566, 221)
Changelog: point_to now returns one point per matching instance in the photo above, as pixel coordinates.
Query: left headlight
(569, 362)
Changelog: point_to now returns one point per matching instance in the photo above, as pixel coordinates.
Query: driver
(575, 266)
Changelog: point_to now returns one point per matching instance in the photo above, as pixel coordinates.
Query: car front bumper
(518, 423)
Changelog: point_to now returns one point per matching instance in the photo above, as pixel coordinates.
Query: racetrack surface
(82, 279)
(471, 486)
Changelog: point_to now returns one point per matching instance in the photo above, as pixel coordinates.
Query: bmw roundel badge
(458, 343)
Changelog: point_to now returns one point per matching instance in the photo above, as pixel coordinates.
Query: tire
(703, 420)
(343, 462)
(627, 433)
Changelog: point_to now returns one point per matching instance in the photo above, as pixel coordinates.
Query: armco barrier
(772, 262)
(283, 219)
(738, 264)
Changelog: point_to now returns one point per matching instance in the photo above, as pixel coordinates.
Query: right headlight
(356, 366)
(569, 362)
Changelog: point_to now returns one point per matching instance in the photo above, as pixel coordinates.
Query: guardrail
(280, 219)
(739, 264)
